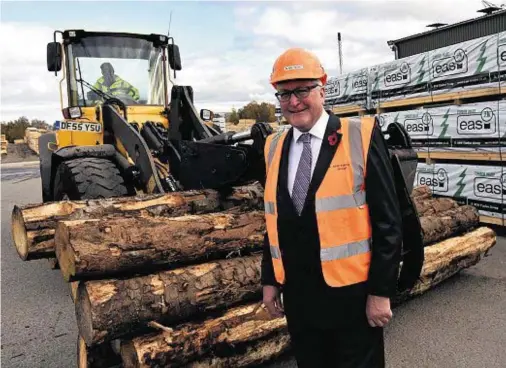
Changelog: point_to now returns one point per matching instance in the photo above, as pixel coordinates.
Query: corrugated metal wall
(463, 32)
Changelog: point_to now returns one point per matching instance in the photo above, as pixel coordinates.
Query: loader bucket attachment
(404, 162)
(399, 145)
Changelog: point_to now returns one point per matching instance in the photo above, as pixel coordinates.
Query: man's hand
(272, 301)
(378, 311)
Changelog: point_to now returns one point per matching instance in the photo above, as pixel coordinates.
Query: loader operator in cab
(333, 239)
(112, 84)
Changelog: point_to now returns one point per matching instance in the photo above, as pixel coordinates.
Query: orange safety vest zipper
(341, 210)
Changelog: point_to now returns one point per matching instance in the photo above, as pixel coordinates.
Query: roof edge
(422, 34)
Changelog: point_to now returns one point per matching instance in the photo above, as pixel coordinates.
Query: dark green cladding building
(493, 22)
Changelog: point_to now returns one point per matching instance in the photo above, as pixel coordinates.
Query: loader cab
(98, 66)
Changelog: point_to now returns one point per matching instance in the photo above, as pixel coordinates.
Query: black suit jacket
(306, 295)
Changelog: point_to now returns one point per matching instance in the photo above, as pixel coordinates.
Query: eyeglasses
(300, 93)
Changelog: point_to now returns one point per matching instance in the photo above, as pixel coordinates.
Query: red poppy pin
(333, 139)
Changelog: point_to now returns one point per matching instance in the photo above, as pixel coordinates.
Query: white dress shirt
(317, 134)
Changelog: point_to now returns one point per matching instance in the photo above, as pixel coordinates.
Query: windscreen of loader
(102, 67)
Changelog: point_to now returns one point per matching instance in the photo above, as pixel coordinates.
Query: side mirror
(72, 112)
(54, 57)
(206, 115)
(174, 57)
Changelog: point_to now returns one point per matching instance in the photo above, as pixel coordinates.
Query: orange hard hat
(297, 63)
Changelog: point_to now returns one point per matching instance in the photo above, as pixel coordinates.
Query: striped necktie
(303, 175)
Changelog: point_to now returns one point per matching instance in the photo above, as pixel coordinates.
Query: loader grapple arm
(404, 162)
(185, 122)
(135, 146)
(220, 161)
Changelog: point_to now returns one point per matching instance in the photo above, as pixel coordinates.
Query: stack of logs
(174, 279)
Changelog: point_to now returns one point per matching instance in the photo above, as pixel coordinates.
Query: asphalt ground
(459, 324)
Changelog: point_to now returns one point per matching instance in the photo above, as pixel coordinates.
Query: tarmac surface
(459, 324)
(19, 171)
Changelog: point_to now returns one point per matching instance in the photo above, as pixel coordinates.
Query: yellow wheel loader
(115, 138)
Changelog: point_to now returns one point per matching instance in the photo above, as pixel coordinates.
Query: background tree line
(16, 129)
(260, 112)
(263, 112)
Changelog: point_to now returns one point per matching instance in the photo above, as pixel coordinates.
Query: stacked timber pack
(452, 103)
(174, 280)
(4, 144)
(32, 138)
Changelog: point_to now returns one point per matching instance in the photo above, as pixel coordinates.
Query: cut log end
(83, 314)
(64, 253)
(19, 233)
(82, 354)
(73, 290)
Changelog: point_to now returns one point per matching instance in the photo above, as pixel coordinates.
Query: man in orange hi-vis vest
(333, 241)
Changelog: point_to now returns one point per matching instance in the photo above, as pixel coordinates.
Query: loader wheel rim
(19, 233)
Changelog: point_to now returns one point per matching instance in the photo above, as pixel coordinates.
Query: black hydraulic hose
(151, 139)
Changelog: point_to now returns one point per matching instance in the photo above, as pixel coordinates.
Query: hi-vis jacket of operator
(345, 255)
(119, 87)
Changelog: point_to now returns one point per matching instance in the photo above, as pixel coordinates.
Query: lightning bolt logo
(376, 81)
(460, 184)
(421, 71)
(444, 124)
(346, 86)
(482, 59)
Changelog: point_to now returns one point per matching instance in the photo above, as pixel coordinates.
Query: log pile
(174, 280)
(33, 226)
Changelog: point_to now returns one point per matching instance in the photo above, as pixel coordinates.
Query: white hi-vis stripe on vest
(269, 207)
(357, 153)
(345, 250)
(272, 147)
(340, 202)
(275, 252)
(357, 199)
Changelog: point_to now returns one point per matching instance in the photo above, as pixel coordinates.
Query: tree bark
(231, 331)
(98, 248)
(33, 225)
(106, 309)
(434, 206)
(449, 223)
(448, 257)
(421, 192)
(94, 248)
(226, 336)
(251, 355)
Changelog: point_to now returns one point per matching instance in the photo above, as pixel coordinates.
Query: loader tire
(89, 178)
